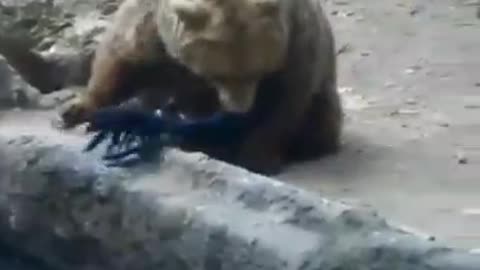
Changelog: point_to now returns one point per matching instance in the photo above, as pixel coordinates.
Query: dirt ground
(410, 79)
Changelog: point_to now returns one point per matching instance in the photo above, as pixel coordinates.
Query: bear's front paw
(262, 158)
(75, 114)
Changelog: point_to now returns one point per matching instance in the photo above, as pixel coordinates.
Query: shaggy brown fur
(281, 50)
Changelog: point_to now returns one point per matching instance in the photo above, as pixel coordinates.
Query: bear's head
(233, 44)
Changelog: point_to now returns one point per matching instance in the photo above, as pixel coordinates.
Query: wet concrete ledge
(63, 207)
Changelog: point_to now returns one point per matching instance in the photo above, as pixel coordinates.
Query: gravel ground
(410, 80)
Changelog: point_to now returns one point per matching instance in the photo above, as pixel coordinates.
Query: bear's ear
(269, 8)
(192, 13)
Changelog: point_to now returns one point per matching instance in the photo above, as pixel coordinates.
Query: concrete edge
(216, 216)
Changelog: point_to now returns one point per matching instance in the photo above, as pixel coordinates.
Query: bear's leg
(108, 85)
(279, 111)
(129, 43)
(321, 131)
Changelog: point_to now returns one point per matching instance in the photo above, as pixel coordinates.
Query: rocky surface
(46, 25)
(64, 33)
(187, 212)
(6, 93)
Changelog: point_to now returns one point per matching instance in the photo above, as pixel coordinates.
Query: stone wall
(188, 212)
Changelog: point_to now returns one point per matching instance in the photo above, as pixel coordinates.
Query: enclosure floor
(411, 85)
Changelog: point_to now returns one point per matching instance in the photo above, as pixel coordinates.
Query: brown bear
(240, 48)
